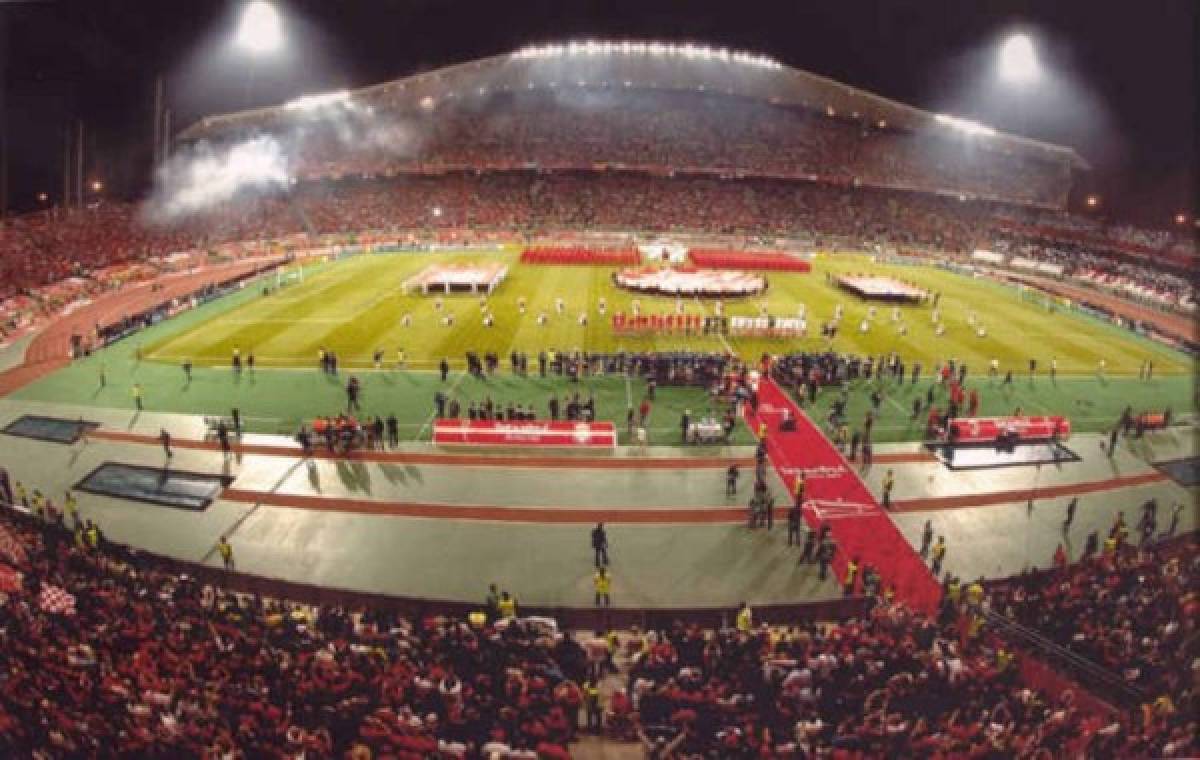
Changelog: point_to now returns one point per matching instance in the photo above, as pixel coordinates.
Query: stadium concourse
(235, 556)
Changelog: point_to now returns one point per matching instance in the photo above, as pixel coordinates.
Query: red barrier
(542, 434)
(989, 429)
(580, 256)
(775, 261)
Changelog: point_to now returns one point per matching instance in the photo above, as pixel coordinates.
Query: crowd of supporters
(90, 249)
(1131, 609)
(104, 651)
(579, 128)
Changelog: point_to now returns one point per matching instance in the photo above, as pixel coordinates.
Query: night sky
(1124, 74)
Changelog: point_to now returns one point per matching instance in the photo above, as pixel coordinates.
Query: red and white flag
(56, 601)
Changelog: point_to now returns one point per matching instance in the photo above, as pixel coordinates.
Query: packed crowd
(671, 130)
(1132, 609)
(890, 685)
(103, 652)
(1131, 276)
(52, 258)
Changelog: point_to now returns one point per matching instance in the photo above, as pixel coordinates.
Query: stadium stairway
(834, 493)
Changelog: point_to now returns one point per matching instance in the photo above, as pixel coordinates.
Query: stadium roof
(642, 66)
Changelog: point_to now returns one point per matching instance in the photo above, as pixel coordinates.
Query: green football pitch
(357, 306)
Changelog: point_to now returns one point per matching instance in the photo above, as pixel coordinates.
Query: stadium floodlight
(259, 30)
(1018, 60)
(1093, 201)
(1181, 218)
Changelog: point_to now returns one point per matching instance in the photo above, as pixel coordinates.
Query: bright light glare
(966, 125)
(658, 49)
(259, 30)
(310, 102)
(1018, 60)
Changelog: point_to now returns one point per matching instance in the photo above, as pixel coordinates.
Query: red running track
(834, 491)
(50, 349)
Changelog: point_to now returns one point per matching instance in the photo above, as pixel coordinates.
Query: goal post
(287, 276)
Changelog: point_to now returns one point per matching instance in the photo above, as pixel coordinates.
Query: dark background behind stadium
(1131, 108)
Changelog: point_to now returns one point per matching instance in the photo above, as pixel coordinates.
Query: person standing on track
(444, 368)
(226, 551)
(165, 439)
(600, 545)
(794, 520)
(731, 480)
(926, 538)
(602, 584)
(1072, 505)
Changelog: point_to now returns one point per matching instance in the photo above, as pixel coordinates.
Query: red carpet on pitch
(835, 494)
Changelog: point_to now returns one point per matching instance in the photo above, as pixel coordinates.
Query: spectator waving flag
(56, 601)
(11, 550)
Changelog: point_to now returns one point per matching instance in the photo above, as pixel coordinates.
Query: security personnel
(798, 490)
(93, 535)
(889, 482)
(506, 605)
(602, 583)
(975, 594)
(745, 618)
(938, 554)
(851, 573)
(954, 590)
(226, 551)
(71, 504)
(591, 701)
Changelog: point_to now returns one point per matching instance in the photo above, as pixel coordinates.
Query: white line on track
(453, 386)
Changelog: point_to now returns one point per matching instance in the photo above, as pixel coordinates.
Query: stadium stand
(106, 651)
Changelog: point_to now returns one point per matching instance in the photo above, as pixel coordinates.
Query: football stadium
(599, 399)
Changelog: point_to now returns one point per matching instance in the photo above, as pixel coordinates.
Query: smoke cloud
(318, 129)
(204, 175)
